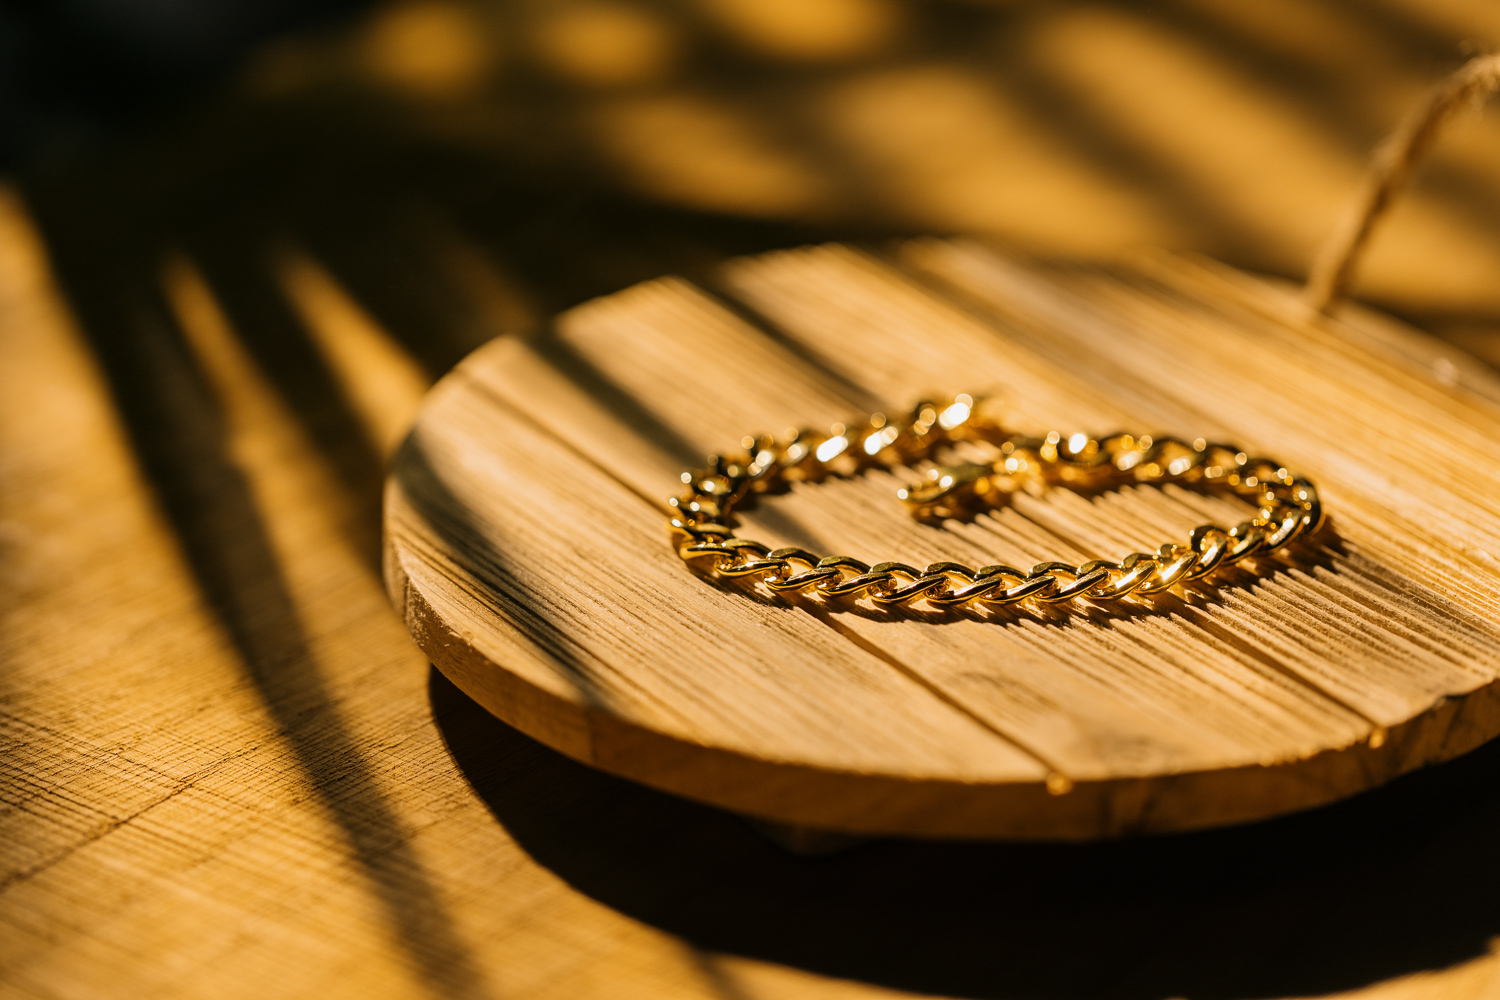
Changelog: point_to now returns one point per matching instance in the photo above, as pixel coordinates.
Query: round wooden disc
(528, 550)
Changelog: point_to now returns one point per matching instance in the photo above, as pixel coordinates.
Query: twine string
(1391, 167)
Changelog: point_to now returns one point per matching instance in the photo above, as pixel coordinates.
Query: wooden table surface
(227, 771)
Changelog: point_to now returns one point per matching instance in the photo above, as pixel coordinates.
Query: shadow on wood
(183, 432)
(1395, 881)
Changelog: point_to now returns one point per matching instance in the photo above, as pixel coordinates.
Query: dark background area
(1083, 129)
(78, 74)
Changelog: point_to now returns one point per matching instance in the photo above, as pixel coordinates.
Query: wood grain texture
(194, 805)
(221, 792)
(525, 546)
(191, 806)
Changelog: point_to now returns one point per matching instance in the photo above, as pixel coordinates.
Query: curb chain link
(1288, 507)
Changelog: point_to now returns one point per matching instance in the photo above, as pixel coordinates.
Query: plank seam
(535, 424)
(721, 293)
(987, 315)
(823, 618)
(936, 690)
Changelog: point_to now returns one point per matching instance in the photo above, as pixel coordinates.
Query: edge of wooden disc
(454, 624)
(879, 804)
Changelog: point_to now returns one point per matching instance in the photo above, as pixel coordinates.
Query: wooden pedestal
(527, 549)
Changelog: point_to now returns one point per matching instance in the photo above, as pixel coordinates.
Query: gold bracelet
(701, 517)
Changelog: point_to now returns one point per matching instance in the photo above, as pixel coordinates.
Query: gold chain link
(700, 521)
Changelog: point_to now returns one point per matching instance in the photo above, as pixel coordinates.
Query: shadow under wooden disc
(526, 548)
